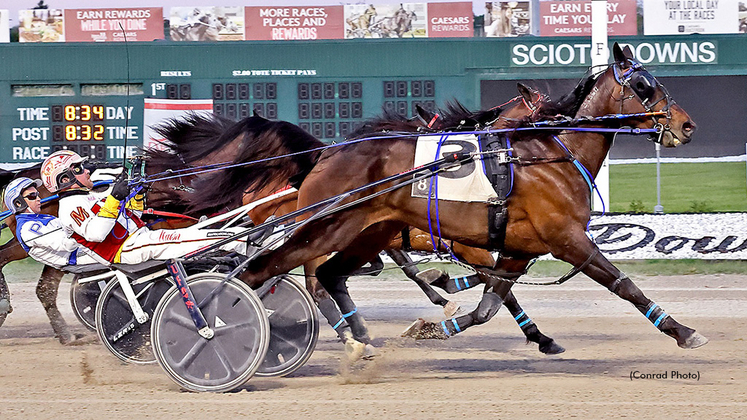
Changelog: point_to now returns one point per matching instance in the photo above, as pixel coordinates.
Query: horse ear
(618, 53)
(628, 52)
(424, 114)
(529, 94)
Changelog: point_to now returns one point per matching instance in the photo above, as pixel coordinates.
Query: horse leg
(450, 285)
(327, 305)
(605, 273)
(46, 291)
(411, 271)
(546, 344)
(333, 276)
(490, 303)
(9, 252)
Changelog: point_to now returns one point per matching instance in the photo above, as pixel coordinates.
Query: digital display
(403, 96)
(322, 104)
(237, 101)
(101, 119)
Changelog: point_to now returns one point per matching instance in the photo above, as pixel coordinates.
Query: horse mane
(272, 152)
(569, 103)
(454, 116)
(564, 108)
(191, 137)
(389, 120)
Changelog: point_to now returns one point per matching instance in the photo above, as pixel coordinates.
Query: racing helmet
(58, 165)
(13, 198)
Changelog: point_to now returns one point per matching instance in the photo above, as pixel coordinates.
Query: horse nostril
(689, 127)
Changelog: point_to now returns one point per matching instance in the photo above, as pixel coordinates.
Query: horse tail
(272, 153)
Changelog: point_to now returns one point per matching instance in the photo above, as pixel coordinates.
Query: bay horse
(223, 191)
(547, 211)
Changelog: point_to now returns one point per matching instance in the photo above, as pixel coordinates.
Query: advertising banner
(507, 18)
(401, 20)
(206, 23)
(573, 18)
(448, 20)
(156, 111)
(41, 25)
(107, 25)
(285, 22)
(681, 17)
(4, 26)
(712, 236)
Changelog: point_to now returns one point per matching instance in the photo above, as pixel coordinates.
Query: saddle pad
(466, 183)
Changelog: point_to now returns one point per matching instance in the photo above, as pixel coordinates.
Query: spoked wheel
(4, 299)
(294, 327)
(227, 360)
(83, 299)
(116, 325)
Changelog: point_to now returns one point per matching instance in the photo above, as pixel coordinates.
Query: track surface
(486, 371)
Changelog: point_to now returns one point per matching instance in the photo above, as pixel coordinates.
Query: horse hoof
(694, 341)
(78, 339)
(430, 275)
(369, 352)
(412, 329)
(354, 349)
(451, 308)
(551, 348)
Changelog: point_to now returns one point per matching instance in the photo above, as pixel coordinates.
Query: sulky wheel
(83, 298)
(116, 325)
(294, 326)
(227, 360)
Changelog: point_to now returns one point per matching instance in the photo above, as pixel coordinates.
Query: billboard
(448, 20)
(284, 23)
(507, 18)
(106, 25)
(573, 18)
(402, 20)
(206, 23)
(41, 25)
(682, 17)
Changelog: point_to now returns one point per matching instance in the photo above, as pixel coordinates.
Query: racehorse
(547, 211)
(225, 189)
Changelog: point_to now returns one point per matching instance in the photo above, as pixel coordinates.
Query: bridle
(644, 88)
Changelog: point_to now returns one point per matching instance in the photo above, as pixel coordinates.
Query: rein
(563, 125)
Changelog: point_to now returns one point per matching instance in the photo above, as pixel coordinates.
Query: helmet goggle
(77, 168)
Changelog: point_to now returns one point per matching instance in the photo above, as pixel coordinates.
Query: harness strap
(168, 214)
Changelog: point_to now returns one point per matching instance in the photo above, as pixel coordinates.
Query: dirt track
(487, 370)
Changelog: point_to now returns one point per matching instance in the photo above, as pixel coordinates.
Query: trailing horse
(547, 211)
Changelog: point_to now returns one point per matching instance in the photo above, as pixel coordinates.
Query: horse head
(630, 89)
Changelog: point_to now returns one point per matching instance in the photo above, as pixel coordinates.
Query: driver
(40, 235)
(118, 236)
